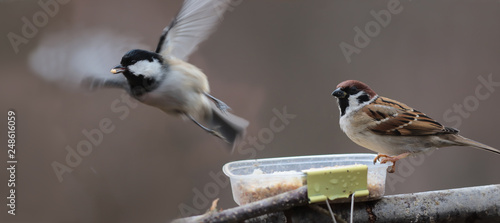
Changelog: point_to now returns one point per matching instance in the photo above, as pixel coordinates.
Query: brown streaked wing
(398, 119)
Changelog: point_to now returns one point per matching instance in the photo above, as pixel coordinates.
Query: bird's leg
(211, 131)
(385, 158)
(220, 104)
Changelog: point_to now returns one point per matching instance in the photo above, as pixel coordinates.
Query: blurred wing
(196, 20)
(92, 82)
(72, 58)
(395, 118)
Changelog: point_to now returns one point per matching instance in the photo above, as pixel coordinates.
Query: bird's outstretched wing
(76, 57)
(196, 20)
(116, 81)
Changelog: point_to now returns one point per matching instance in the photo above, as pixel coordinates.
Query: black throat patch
(343, 104)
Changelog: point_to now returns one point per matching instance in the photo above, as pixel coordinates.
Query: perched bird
(391, 128)
(164, 80)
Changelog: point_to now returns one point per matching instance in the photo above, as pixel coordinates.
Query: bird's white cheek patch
(146, 68)
(354, 104)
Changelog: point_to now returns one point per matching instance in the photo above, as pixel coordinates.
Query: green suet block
(337, 182)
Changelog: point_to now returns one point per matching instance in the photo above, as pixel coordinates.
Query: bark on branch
(472, 204)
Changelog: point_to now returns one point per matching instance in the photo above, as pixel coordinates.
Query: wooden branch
(277, 203)
(456, 205)
(470, 204)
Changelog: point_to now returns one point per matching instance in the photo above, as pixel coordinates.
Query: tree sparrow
(391, 128)
(164, 80)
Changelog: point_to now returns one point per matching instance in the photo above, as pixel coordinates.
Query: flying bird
(163, 79)
(392, 129)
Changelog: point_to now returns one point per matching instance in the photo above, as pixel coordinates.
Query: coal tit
(164, 80)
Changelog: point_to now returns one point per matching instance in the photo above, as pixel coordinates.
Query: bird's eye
(352, 90)
(133, 61)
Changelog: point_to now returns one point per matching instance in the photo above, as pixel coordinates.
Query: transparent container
(253, 180)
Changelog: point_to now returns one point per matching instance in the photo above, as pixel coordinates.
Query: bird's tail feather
(230, 126)
(462, 141)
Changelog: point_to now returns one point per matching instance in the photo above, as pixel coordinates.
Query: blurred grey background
(265, 55)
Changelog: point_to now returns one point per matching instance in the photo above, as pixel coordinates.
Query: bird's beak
(118, 69)
(339, 93)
